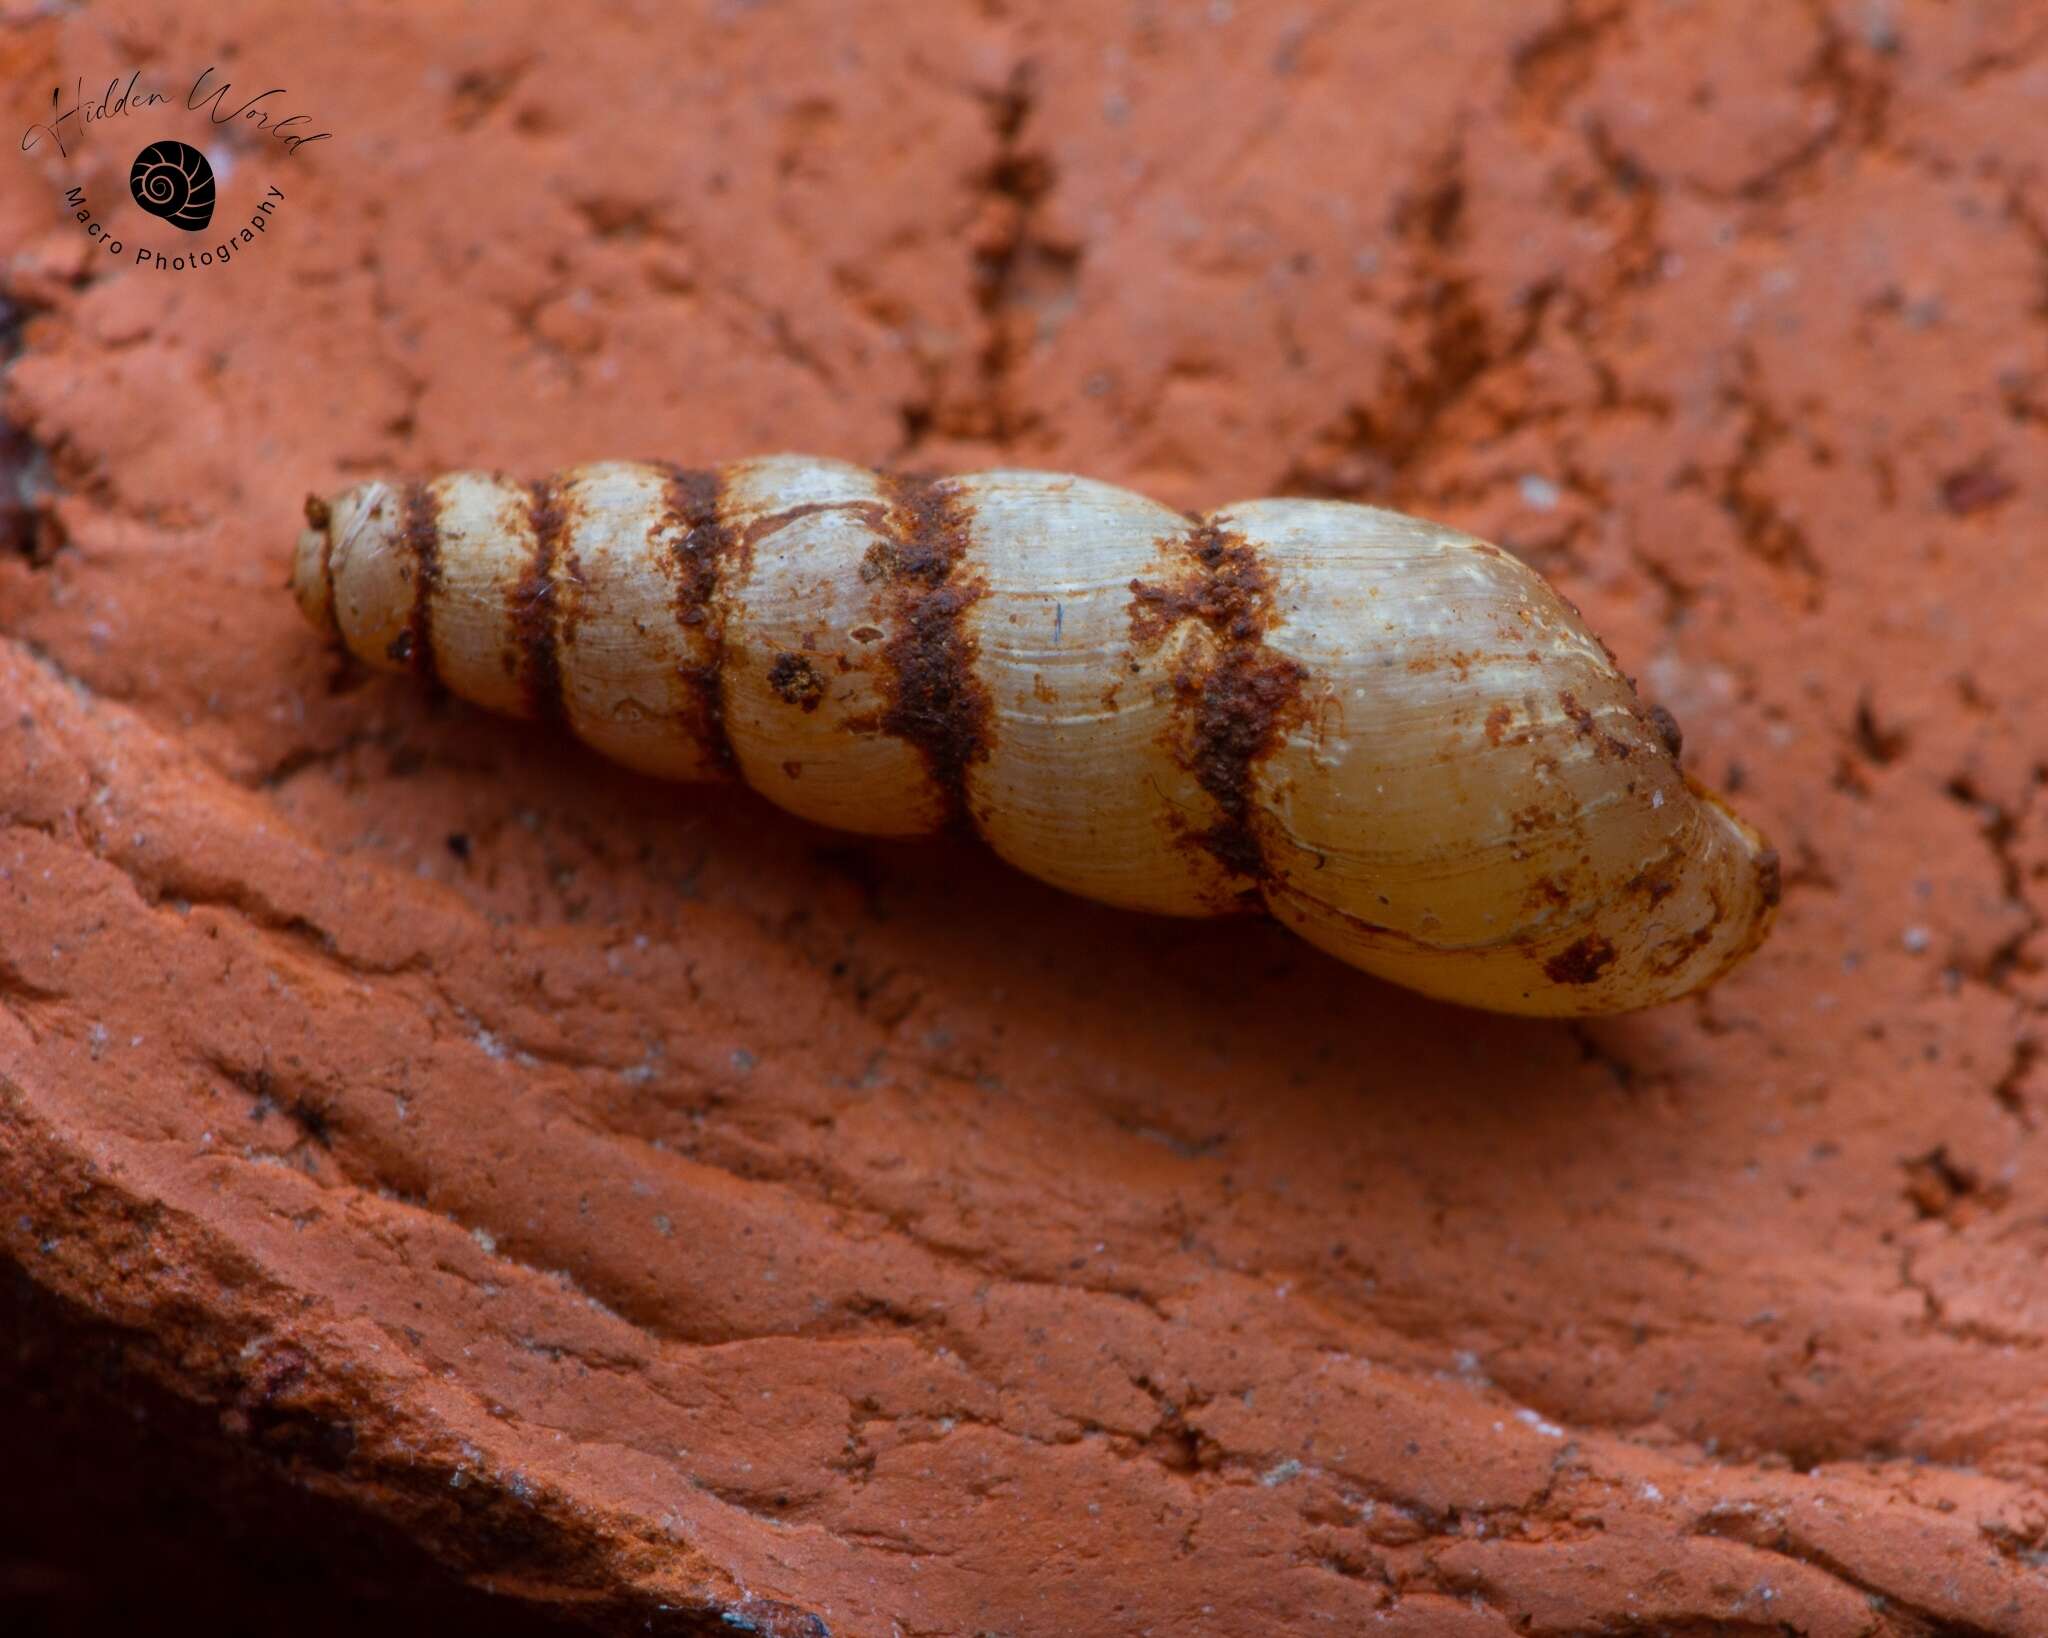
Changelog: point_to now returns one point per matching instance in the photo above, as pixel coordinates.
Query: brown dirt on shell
(1667, 729)
(533, 603)
(796, 681)
(1604, 743)
(1770, 876)
(701, 549)
(936, 701)
(641, 1204)
(1236, 701)
(1583, 962)
(420, 536)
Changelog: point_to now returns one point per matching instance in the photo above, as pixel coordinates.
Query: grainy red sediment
(641, 1199)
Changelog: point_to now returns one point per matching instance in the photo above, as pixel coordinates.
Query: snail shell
(1395, 738)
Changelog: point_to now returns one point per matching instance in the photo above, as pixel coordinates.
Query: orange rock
(643, 1203)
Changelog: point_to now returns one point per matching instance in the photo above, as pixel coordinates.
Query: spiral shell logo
(174, 181)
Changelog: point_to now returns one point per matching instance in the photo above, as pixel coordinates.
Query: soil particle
(1975, 489)
(1667, 729)
(1583, 962)
(796, 681)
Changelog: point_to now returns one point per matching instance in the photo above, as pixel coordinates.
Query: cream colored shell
(1395, 738)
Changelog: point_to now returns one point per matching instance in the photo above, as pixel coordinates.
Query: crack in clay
(1750, 1530)
(1374, 450)
(1556, 62)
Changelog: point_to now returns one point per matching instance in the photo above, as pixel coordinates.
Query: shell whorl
(1396, 739)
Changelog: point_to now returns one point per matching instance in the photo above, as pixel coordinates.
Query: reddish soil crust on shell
(936, 701)
(703, 550)
(1236, 699)
(533, 605)
(658, 1210)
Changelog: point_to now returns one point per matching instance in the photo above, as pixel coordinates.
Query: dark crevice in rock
(28, 528)
(99, 1454)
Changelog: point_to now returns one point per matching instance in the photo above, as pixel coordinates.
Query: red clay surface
(642, 1199)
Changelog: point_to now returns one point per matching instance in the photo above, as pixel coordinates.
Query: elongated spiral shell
(1393, 737)
(173, 180)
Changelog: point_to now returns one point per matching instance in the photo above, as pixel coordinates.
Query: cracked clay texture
(666, 1216)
